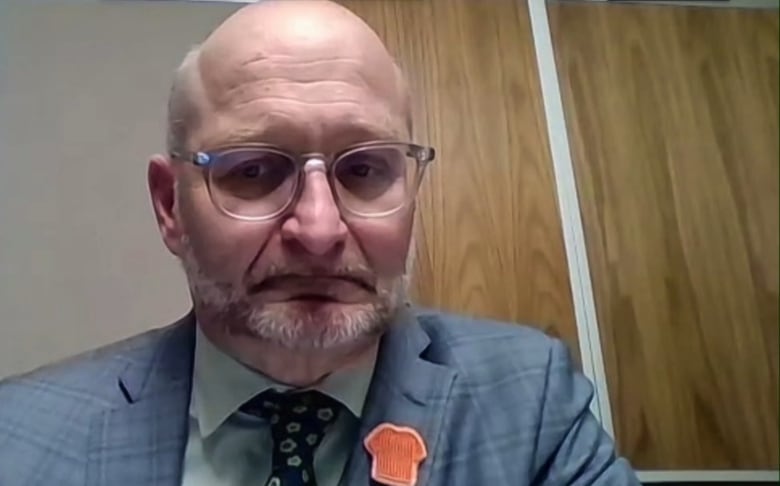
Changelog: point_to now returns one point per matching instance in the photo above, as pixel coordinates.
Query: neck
(292, 367)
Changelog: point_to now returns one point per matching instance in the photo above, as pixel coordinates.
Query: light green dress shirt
(226, 447)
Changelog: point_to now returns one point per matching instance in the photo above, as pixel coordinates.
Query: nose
(315, 222)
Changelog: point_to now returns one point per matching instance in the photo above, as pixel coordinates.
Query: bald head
(277, 59)
(301, 28)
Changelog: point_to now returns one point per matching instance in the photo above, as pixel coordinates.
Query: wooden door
(673, 118)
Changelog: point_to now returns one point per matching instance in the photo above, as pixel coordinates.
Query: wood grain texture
(489, 240)
(673, 118)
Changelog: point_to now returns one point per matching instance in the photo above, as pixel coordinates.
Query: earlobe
(162, 190)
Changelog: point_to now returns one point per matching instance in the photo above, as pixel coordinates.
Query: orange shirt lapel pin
(396, 454)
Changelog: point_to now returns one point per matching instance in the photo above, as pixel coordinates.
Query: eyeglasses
(259, 182)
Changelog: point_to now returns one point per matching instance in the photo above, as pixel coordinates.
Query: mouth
(315, 289)
(312, 298)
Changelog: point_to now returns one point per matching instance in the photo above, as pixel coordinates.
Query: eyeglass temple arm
(201, 159)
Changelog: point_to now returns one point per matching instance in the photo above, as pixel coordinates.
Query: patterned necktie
(298, 424)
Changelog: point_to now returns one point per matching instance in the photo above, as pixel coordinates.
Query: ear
(161, 177)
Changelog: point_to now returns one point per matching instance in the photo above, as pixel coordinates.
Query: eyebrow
(350, 134)
(370, 132)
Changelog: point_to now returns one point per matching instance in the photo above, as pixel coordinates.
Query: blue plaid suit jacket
(497, 405)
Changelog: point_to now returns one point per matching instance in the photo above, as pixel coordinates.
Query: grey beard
(288, 326)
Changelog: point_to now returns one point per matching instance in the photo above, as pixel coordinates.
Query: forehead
(307, 99)
(302, 130)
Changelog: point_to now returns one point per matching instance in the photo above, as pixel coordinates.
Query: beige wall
(82, 97)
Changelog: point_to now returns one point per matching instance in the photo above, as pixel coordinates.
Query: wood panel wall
(672, 115)
(489, 239)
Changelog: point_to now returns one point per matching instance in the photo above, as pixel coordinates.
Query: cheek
(224, 247)
(384, 242)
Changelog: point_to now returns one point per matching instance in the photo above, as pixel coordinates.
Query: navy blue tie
(298, 421)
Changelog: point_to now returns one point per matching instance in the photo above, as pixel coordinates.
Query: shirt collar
(221, 385)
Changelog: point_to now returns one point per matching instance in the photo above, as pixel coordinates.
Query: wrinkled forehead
(314, 83)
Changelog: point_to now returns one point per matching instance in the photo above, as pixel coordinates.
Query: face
(313, 277)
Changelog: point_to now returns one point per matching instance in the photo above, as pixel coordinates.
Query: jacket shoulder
(46, 414)
(502, 361)
(464, 339)
(90, 378)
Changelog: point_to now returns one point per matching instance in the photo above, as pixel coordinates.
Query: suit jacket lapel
(407, 391)
(143, 441)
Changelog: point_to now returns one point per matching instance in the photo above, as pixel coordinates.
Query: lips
(340, 288)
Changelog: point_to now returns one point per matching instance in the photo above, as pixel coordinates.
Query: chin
(312, 324)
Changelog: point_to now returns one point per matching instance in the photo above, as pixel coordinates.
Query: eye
(359, 169)
(371, 175)
(252, 174)
(250, 170)
(363, 165)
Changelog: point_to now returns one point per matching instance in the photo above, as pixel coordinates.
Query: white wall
(82, 104)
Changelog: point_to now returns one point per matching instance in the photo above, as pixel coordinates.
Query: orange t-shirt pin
(396, 454)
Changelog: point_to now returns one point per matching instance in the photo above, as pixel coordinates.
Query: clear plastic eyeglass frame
(206, 160)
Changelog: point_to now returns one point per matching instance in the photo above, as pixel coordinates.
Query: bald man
(287, 193)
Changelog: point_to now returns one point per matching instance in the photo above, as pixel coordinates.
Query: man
(288, 195)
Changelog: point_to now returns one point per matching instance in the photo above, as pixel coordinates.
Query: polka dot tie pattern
(299, 422)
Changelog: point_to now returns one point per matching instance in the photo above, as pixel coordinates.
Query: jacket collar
(407, 390)
(143, 442)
